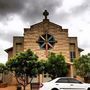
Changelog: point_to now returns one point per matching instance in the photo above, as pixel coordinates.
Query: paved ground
(14, 88)
(9, 88)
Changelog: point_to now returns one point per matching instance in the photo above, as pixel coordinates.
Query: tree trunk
(30, 86)
(31, 83)
(24, 87)
(2, 77)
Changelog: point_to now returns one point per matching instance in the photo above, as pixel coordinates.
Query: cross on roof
(45, 13)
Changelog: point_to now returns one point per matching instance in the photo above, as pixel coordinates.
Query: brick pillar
(71, 70)
(40, 78)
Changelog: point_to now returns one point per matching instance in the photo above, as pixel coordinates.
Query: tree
(24, 65)
(2, 69)
(82, 65)
(56, 66)
(41, 65)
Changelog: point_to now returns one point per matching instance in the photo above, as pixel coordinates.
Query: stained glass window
(46, 41)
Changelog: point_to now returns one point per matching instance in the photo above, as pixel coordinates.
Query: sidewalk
(9, 88)
(14, 88)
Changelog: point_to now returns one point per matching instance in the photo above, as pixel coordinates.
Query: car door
(62, 83)
(75, 84)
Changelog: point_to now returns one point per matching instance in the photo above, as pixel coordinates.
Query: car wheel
(88, 89)
(54, 89)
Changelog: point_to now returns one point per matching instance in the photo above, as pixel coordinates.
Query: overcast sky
(15, 15)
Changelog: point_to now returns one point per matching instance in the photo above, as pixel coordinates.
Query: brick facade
(32, 34)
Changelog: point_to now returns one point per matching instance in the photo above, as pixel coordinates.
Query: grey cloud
(81, 8)
(85, 44)
(29, 10)
(11, 5)
(33, 11)
(62, 17)
(8, 7)
(8, 36)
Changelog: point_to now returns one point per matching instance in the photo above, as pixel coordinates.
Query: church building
(45, 37)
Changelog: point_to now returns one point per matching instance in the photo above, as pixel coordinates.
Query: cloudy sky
(18, 14)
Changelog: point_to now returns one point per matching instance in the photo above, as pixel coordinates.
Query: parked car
(64, 83)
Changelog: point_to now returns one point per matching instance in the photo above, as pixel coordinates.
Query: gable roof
(9, 49)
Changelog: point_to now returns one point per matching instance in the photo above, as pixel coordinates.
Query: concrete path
(9, 88)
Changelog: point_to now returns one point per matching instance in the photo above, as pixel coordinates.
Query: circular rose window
(46, 41)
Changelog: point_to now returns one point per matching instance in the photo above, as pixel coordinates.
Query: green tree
(26, 66)
(56, 66)
(82, 65)
(41, 66)
(2, 69)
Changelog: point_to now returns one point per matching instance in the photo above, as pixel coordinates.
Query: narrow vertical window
(72, 52)
(18, 47)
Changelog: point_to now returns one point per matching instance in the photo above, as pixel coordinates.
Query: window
(62, 80)
(18, 47)
(72, 80)
(72, 51)
(46, 41)
(67, 80)
(72, 55)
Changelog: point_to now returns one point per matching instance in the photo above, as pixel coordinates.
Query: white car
(64, 83)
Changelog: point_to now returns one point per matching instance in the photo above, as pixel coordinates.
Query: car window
(72, 80)
(62, 80)
(67, 80)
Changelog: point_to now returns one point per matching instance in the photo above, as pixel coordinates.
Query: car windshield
(68, 80)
